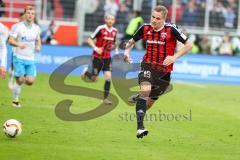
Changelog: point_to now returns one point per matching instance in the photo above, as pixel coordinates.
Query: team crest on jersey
(163, 35)
(149, 33)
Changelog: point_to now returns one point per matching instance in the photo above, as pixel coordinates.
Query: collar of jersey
(27, 25)
(159, 28)
(108, 29)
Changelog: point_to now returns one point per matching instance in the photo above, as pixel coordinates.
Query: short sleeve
(138, 34)
(178, 34)
(96, 32)
(13, 33)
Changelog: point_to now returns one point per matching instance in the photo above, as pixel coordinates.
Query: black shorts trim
(101, 64)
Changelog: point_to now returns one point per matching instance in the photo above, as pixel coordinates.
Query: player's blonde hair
(109, 15)
(28, 8)
(161, 9)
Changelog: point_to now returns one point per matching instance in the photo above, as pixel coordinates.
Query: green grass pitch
(213, 133)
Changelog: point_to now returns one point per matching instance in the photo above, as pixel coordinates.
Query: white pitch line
(191, 84)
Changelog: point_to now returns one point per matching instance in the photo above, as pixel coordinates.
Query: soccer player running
(157, 63)
(105, 36)
(3, 50)
(25, 37)
(11, 70)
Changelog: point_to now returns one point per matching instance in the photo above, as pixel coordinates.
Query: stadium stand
(208, 20)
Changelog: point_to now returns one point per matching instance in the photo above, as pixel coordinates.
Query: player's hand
(38, 48)
(169, 60)
(98, 50)
(22, 46)
(2, 72)
(127, 58)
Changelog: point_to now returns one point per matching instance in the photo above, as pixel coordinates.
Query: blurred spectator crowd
(215, 45)
(222, 15)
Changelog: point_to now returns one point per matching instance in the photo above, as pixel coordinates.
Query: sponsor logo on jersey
(109, 38)
(155, 42)
(149, 33)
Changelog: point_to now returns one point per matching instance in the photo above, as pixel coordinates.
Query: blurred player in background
(25, 37)
(105, 36)
(3, 50)
(11, 70)
(157, 63)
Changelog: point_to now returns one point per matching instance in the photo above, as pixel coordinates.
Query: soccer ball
(12, 128)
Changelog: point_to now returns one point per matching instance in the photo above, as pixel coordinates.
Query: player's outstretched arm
(116, 48)
(38, 45)
(184, 50)
(128, 48)
(91, 43)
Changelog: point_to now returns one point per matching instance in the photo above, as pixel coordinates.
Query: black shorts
(159, 80)
(101, 64)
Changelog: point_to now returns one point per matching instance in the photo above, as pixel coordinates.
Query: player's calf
(20, 80)
(107, 85)
(11, 79)
(16, 92)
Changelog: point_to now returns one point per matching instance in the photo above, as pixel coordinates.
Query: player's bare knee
(20, 80)
(107, 75)
(145, 89)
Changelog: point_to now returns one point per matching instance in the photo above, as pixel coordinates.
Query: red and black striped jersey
(105, 38)
(160, 43)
